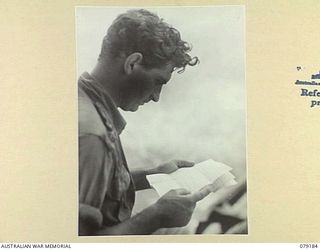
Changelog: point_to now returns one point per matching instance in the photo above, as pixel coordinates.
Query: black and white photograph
(161, 120)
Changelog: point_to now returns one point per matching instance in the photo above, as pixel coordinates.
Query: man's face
(144, 85)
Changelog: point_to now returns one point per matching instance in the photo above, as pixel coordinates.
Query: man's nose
(156, 94)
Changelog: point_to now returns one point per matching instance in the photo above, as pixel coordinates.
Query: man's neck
(107, 77)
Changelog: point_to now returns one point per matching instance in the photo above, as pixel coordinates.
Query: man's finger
(179, 191)
(202, 193)
(182, 191)
(184, 164)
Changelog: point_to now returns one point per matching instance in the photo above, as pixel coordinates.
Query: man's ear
(132, 61)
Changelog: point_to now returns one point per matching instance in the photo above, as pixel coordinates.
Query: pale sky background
(202, 112)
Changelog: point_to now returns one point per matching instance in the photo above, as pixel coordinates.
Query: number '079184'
(308, 245)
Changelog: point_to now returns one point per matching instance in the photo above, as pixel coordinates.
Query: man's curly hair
(144, 32)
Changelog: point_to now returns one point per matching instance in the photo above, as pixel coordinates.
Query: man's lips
(142, 103)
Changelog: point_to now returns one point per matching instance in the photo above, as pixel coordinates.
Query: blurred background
(202, 112)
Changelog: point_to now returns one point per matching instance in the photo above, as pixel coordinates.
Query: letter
(35, 245)
(304, 92)
(316, 76)
(314, 103)
(300, 82)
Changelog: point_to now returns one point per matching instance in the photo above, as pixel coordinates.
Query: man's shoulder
(89, 119)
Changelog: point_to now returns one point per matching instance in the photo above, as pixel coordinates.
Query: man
(138, 55)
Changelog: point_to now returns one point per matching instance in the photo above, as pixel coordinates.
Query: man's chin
(131, 109)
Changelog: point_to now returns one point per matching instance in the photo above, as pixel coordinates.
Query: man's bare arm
(139, 178)
(174, 209)
(144, 223)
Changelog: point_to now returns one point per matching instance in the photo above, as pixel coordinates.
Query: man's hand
(172, 166)
(139, 175)
(176, 207)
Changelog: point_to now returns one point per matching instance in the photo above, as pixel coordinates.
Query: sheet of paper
(190, 178)
(194, 178)
(227, 179)
(212, 169)
(162, 183)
